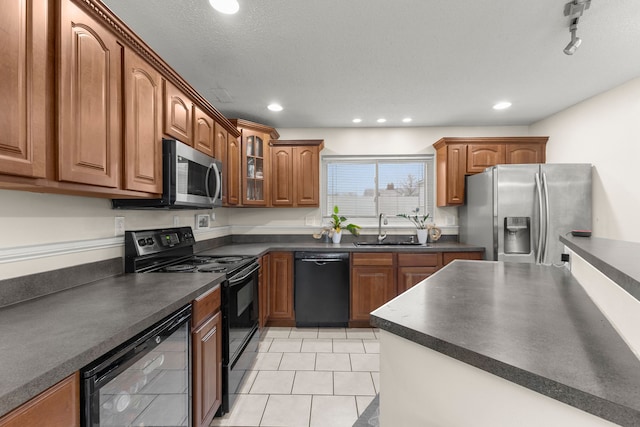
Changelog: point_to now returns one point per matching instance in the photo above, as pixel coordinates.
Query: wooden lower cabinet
(206, 341)
(413, 268)
(58, 406)
(281, 289)
(263, 290)
(447, 257)
(373, 283)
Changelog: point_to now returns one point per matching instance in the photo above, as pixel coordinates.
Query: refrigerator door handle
(545, 188)
(540, 213)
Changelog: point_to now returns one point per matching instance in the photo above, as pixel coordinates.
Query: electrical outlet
(176, 220)
(119, 226)
(310, 220)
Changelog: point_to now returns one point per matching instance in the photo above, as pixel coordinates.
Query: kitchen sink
(382, 244)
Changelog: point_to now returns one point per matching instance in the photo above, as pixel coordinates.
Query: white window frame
(430, 187)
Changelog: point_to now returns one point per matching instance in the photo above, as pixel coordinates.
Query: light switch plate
(118, 226)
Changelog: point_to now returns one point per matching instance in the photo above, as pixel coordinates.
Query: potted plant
(337, 223)
(420, 221)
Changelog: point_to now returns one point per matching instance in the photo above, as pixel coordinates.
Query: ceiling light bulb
(502, 105)
(225, 6)
(275, 107)
(381, 120)
(356, 120)
(407, 120)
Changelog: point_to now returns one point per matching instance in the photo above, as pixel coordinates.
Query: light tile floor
(308, 377)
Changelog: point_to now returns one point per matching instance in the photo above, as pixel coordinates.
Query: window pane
(363, 187)
(351, 186)
(401, 187)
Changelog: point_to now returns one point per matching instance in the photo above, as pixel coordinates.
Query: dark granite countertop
(258, 249)
(616, 259)
(532, 325)
(46, 339)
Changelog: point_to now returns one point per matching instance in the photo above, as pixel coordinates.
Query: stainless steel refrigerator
(518, 212)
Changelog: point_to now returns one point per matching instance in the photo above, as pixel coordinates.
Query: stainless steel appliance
(517, 212)
(190, 180)
(145, 381)
(171, 250)
(321, 288)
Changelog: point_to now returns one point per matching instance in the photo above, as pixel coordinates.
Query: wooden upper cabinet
(295, 172)
(255, 167)
(254, 162)
(89, 103)
(177, 114)
(482, 156)
(457, 157)
(143, 131)
(221, 137)
(451, 167)
(203, 132)
(306, 175)
(233, 171)
(23, 88)
(525, 153)
(282, 181)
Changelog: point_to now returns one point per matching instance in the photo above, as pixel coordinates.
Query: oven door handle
(235, 281)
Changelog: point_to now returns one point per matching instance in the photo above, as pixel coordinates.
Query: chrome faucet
(381, 236)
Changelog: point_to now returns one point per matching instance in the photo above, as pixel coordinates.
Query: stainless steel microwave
(190, 180)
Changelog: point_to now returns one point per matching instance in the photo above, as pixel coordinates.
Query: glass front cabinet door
(254, 172)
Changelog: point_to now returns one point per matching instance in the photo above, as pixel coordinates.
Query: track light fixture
(575, 9)
(575, 41)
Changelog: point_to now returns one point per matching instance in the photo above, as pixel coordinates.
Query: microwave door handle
(213, 167)
(218, 180)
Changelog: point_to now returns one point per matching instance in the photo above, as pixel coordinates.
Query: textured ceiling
(443, 63)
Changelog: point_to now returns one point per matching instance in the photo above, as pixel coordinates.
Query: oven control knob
(142, 242)
(149, 241)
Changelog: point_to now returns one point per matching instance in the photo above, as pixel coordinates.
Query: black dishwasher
(321, 288)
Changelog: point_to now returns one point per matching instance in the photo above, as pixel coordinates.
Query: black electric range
(171, 250)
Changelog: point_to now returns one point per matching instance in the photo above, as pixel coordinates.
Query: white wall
(44, 231)
(359, 141)
(604, 131)
(41, 232)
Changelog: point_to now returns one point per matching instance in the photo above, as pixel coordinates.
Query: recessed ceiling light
(381, 120)
(275, 107)
(407, 120)
(502, 105)
(356, 120)
(225, 6)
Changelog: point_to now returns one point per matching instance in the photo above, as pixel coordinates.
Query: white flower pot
(422, 235)
(336, 236)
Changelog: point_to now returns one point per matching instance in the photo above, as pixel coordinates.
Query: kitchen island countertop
(532, 325)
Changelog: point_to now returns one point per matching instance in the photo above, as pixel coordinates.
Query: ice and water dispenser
(517, 235)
